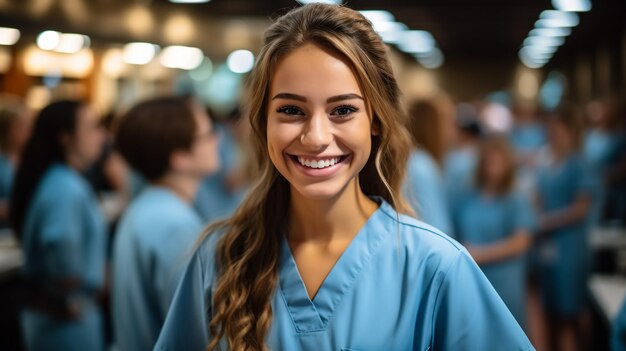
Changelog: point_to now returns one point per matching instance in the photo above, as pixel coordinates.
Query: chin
(322, 191)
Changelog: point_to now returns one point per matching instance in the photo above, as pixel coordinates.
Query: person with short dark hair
(169, 141)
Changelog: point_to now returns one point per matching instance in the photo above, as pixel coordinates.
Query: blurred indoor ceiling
(462, 28)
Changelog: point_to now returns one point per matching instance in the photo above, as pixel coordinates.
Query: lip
(319, 172)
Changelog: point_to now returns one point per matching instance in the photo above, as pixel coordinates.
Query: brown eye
(290, 110)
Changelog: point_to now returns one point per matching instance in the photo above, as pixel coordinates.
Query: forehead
(314, 73)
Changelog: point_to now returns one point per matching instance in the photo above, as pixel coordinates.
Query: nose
(317, 132)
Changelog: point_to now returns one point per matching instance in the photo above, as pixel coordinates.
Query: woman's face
(494, 166)
(559, 136)
(318, 128)
(87, 141)
(204, 158)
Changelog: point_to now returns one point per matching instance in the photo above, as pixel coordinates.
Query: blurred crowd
(107, 208)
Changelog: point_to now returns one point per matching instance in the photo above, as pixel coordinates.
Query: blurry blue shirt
(400, 285)
(7, 172)
(618, 330)
(64, 236)
(459, 170)
(488, 220)
(153, 244)
(564, 254)
(528, 137)
(214, 200)
(425, 191)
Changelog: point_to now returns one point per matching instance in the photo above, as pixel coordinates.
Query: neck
(75, 162)
(184, 186)
(324, 220)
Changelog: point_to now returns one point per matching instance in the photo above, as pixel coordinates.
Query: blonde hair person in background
(319, 255)
(431, 125)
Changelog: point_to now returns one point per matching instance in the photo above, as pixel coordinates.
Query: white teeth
(318, 163)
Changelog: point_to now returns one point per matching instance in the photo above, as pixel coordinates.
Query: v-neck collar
(313, 315)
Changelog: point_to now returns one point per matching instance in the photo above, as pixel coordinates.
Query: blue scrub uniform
(214, 200)
(487, 220)
(153, 244)
(527, 138)
(459, 170)
(7, 172)
(564, 254)
(64, 236)
(400, 285)
(618, 330)
(424, 189)
(603, 150)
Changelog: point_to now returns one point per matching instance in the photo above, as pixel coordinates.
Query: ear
(179, 160)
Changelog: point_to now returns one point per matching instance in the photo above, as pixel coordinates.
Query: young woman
(495, 223)
(430, 126)
(565, 187)
(319, 256)
(170, 142)
(56, 217)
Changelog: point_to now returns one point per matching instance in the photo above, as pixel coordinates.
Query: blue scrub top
(400, 285)
(459, 170)
(564, 254)
(487, 220)
(214, 200)
(527, 138)
(7, 172)
(153, 244)
(618, 330)
(64, 236)
(424, 188)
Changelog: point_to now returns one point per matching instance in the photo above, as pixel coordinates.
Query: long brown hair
(248, 252)
(502, 146)
(427, 123)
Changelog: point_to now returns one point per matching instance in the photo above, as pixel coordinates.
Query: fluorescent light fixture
(378, 16)
(392, 32)
(416, 42)
(48, 40)
(572, 5)
(70, 43)
(433, 60)
(530, 61)
(544, 41)
(535, 53)
(550, 32)
(139, 53)
(554, 18)
(333, 2)
(240, 61)
(9, 36)
(67, 43)
(189, 1)
(182, 57)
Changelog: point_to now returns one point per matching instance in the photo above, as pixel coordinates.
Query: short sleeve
(61, 230)
(186, 324)
(469, 314)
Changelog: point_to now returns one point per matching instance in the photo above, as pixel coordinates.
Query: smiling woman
(320, 256)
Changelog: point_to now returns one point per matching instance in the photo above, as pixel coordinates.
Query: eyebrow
(336, 98)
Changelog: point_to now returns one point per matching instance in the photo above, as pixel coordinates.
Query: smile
(317, 164)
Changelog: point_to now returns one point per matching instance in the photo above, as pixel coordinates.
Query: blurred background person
(564, 195)
(496, 223)
(219, 194)
(55, 215)
(15, 127)
(430, 124)
(605, 150)
(461, 159)
(169, 141)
